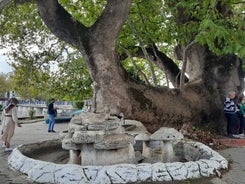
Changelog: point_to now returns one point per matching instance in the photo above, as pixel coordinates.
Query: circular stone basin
(49, 151)
(45, 162)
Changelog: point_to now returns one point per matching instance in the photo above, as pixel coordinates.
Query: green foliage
(5, 83)
(32, 113)
(22, 27)
(79, 104)
(220, 38)
(28, 82)
(147, 29)
(25, 36)
(38, 57)
(72, 80)
(148, 24)
(35, 51)
(142, 66)
(220, 25)
(84, 11)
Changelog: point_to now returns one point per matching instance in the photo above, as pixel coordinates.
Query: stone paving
(36, 132)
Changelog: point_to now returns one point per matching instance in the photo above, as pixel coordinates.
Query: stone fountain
(102, 151)
(95, 139)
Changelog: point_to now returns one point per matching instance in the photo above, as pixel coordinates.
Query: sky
(4, 66)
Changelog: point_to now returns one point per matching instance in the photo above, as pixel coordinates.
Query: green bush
(79, 104)
(1, 107)
(32, 113)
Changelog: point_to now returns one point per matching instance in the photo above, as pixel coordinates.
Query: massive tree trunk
(115, 92)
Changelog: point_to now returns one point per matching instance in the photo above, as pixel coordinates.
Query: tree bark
(116, 92)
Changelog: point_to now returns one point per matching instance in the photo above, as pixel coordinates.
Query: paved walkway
(36, 132)
(28, 133)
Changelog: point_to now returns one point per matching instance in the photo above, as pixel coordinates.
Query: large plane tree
(207, 42)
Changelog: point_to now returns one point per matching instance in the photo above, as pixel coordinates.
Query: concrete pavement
(28, 133)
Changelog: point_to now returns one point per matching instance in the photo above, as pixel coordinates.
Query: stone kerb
(210, 163)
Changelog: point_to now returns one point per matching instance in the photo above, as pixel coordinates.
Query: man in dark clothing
(230, 112)
(51, 114)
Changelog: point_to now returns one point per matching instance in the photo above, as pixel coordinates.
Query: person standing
(241, 116)
(9, 120)
(230, 112)
(51, 113)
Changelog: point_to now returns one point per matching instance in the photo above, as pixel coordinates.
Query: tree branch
(182, 74)
(147, 57)
(113, 16)
(135, 66)
(165, 63)
(61, 23)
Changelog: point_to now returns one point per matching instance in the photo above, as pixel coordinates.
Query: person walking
(230, 113)
(9, 120)
(51, 113)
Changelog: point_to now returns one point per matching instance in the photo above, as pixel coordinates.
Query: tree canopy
(160, 43)
(41, 62)
(5, 84)
(218, 24)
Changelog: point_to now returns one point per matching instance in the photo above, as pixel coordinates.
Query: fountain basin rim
(42, 171)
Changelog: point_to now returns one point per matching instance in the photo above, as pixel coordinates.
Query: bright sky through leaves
(4, 66)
